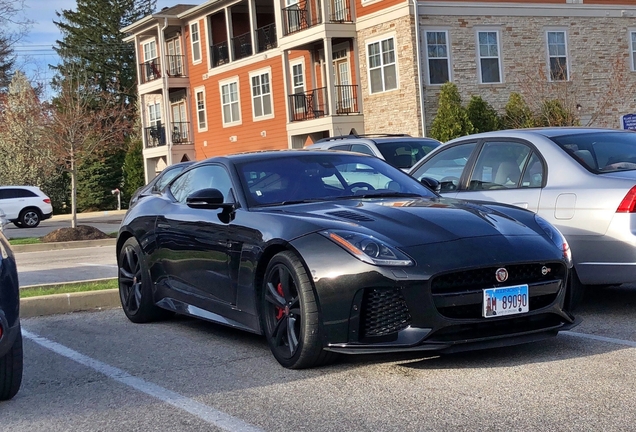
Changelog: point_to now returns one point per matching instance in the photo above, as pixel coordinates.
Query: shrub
(482, 115)
(451, 120)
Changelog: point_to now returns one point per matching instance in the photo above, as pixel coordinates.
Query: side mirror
(431, 183)
(207, 199)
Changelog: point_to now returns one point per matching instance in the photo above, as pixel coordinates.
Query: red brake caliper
(280, 311)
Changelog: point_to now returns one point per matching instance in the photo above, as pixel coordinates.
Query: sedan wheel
(29, 219)
(290, 314)
(135, 286)
(11, 370)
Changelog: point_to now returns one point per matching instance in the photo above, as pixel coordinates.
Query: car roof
(548, 132)
(276, 154)
(21, 187)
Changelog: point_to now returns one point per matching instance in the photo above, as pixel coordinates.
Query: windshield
(404, 154)
(329, 176)
(601, 152)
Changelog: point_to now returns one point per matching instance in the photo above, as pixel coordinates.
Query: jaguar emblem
(501, 274)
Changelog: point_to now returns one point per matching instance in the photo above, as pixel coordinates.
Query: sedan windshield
(601, 152)
(319, 177)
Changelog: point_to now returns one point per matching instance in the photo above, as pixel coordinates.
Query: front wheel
(11, 370)
(291, 319)
(135, 286)
(29, 218)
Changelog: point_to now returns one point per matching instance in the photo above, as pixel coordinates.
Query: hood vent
(345, 214)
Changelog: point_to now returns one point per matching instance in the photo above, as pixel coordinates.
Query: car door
(195, 246)
(447, 167)
(14, 200)
(505, 171)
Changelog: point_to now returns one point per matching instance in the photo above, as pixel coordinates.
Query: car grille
(448, 289)
(384, 311)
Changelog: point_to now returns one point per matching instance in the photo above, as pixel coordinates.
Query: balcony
(150, 70)
(308, 13)
(313, 103)
(175, 65)
(156, 135)
(242, 46)
(266, 38)
(181, 133)
(220, 54)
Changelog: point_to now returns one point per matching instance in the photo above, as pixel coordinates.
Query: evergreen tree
(482, 115)
(134, 177)
(7, 60)
(92, 46)
(518, 113)
(96, 178)
(452, 119)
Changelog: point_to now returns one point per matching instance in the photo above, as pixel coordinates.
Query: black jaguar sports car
(10, 334)
(330, 252)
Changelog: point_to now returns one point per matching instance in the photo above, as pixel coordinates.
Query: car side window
(534, 173)
(346, 147)
(203, 177)
(165, 179)
(499, 166)
(446, 166)
(361, 148)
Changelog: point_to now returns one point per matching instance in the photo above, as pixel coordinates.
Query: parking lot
(97, 371)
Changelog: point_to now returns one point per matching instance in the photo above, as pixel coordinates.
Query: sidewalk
(91, 215)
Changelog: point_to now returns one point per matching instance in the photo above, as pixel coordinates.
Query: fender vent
(345, 214)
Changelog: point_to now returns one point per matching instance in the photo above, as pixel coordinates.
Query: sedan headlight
(556, 237)
(368, 249)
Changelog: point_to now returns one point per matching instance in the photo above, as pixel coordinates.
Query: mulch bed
(81, 232)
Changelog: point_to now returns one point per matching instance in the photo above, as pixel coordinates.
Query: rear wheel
(11, 370)
(29, 218)
(135, 286)
(291, 319)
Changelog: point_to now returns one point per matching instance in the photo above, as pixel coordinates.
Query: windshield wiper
(370, 194)
(290, 202)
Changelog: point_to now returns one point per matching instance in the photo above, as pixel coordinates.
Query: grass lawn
(25, 241)
(68, 288)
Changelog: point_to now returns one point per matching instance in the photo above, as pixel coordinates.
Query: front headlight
(368, 249)
(557, 238)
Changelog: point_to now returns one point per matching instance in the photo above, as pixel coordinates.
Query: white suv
(25, 206)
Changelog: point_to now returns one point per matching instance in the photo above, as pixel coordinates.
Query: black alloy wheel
(29, 218)
(291, 320)
(135, 286)
(11, 365)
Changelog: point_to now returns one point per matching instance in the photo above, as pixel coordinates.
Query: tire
(290, 316)
(29, 218)
(574, 293)
(18, 224)
(11, 370)
(135, 286)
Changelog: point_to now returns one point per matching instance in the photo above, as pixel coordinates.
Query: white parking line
(98, 265)
(202, 411)
(600, 338)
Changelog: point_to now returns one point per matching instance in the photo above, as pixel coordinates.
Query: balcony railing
(266, 38)
(340, 11)
(150, 70)
(301, 16)
(220, 54)
(181, 133)
(242, 46)
(308, 105)
(155, 136)
(175, 65)
(346, 99)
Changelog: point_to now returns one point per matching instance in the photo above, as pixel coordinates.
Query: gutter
(418, 57)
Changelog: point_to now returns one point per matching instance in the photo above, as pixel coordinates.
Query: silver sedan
(581, 180)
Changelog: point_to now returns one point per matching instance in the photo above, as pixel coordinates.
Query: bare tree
(22, 122)
(85, 122)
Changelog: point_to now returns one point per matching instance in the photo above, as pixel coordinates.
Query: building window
(154, 114)
(382, 67)
(633, 34)
(489, 60)
(150, 50)
(201, 114)
(261, 95)
(230, 103)
(437, 57)
(195, 39)
(557, 56)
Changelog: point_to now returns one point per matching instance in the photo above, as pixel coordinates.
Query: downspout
(419, 65)
(166, 91)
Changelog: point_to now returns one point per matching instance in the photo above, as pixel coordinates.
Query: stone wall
(601, 80)
(395, 111)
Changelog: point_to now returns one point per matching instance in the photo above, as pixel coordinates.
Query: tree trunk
(73, 195)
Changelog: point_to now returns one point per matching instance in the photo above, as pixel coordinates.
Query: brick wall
(395, 111)
(602, 82)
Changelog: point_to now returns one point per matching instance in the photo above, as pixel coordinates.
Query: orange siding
(248, 133)
(367, 9)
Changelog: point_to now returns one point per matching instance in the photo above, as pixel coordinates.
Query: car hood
(416, 221)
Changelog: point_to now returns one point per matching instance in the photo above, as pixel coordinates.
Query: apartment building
(228, 76)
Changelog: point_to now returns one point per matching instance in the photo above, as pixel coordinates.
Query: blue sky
(35, 51)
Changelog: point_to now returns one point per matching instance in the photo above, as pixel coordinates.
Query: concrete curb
(65, 303)
(39, 247)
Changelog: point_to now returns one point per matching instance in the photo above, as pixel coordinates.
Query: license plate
(505, 301)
